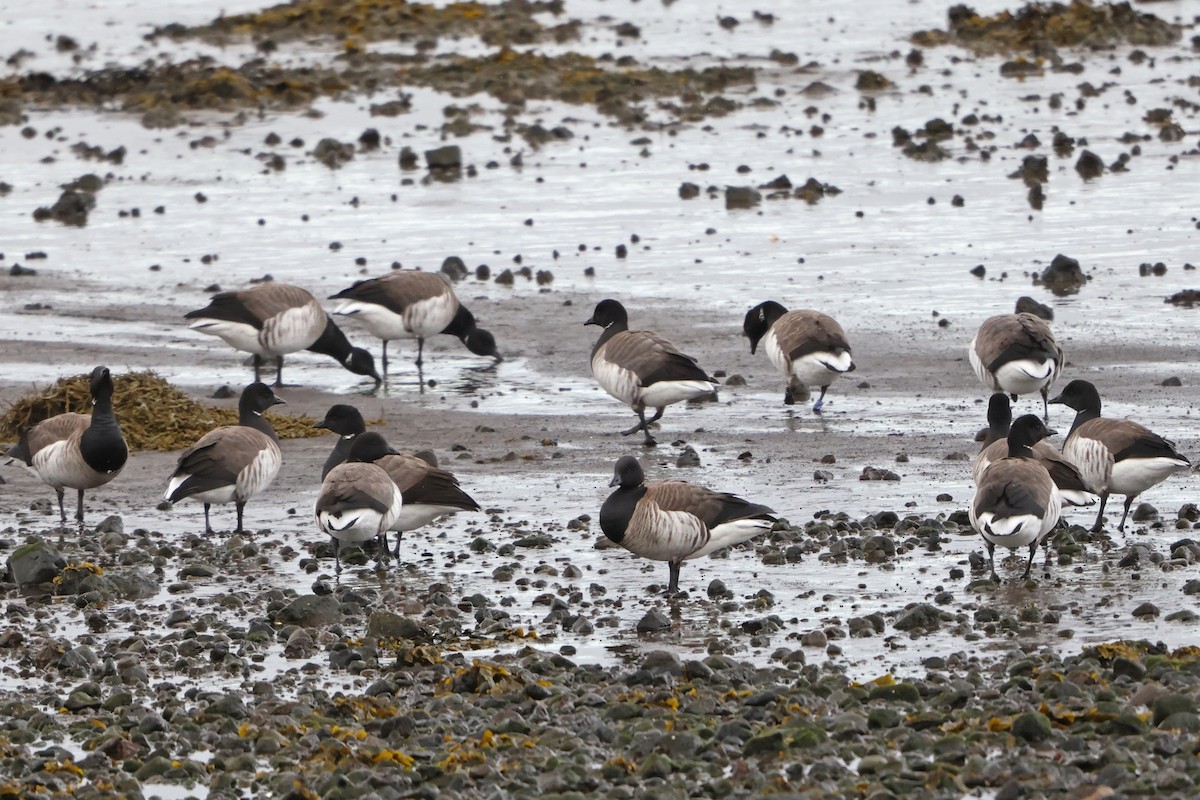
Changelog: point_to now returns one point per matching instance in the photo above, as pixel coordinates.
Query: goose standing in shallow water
(76, 451)
(427, 492)
(233, 463)
(1016, 354)
(359, 501)
(1016, 502)
(411, 304)
(641, 369)
(808, 347)
(1115, 456)
(274, 319)
(676, 521)
(1072, 488)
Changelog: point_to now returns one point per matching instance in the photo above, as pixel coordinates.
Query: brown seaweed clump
(1038, 27)
(354, 21)
(154, 415)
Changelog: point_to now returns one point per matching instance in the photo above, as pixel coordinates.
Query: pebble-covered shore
(403, 688)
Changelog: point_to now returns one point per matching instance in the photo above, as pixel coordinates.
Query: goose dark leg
(992, 562)
(278, 371)
(240, 507)
(396, 551)
(61, 513)
(257, 367)
(817, 406)
(648, 422)
(1128, 502)
(641, 426)
(420, 352)
(207, 525)
(673, 585)
(79, 508)
(1029, 566)
(337, 555)
(384, 359)
(789, 397)
(381, 549)
(1099, 526)
(1045, 403)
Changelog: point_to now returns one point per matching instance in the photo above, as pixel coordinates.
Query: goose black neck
(102, 446)
(1084, 415)
(462, 324)
(341, 452)
(250, 417)
(618, 509)
(332, 342)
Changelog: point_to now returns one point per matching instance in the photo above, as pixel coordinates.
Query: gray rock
(653, 621)
(36, 562)
(1032, 726)
(920, 616)
(386, 625)
(662, 662)
(310, 611)
(448, 157)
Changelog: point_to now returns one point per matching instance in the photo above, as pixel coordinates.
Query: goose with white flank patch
(1115, 456)
(1073, 489)
(676, 521)
(428, 492)
(76, 451)
(1016, 354)
(359, 501)
(232, 463)
(274, 319)
(808, 347)
(641, 369)
(1016, 502)
(411, 304)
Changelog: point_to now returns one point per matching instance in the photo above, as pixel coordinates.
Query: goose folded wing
(1010, 498)
(711, 508)
(1143, 443)
(652, 358)
(812, 334)
(439, 488)
(49, 431)
(340, 496)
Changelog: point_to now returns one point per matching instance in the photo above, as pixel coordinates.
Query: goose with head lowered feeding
(274, 319)
(1072, 488)
(1115, 456)
(427, 491)
(641, 369)
(359, 501)
(808, 347)
(1016, 354)
(77, 451)
(411, 304)
(1016, 503)
(676, 521)
(232, 463)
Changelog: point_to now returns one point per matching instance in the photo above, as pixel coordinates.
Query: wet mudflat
(508, 653)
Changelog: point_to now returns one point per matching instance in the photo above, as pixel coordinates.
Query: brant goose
(411, 304)
(675, 521)
(233, 463)
(641, 369)
(428, 492)
(75, 451)
(359, 501)
(1073, 489)
(1016, 502)
(1016, 354)
(274, 319)
(1115, 456)
(808, 347)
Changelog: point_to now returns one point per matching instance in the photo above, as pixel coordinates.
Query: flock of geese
(370, 489)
